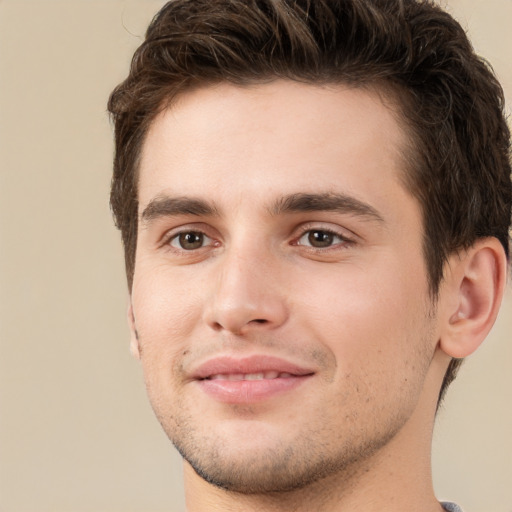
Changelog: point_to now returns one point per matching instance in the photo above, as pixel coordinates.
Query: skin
(227, 264)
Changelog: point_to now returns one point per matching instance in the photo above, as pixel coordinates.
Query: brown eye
(320, 238)
(189, 240)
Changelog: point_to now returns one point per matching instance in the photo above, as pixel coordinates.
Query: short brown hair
(449, 99)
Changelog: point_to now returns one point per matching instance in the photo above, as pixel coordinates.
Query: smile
(233, 377)
(249, 380)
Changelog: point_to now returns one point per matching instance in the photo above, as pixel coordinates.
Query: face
(280, 293)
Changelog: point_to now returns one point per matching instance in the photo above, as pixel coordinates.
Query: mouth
(235, 377)
(249, 380)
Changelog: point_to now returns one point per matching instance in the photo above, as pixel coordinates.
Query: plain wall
(76, 431)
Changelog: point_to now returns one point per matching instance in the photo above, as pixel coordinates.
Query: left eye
(320, 238)
(189, 240)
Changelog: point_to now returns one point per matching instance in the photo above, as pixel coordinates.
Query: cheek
(370, 318)
(164, 316)
(166, 312)
(379, 339)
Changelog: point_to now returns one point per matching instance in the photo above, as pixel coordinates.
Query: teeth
(251, 376)
(254, 376)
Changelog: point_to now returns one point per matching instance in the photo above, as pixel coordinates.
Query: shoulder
(451, 507)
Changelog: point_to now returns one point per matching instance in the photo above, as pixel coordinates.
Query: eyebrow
(334, 202)
(165, 206)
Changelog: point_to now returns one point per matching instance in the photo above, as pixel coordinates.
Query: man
(315, 200)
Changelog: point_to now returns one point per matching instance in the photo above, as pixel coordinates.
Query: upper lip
(225, 365)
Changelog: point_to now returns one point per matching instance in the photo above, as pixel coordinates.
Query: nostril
(217, 326)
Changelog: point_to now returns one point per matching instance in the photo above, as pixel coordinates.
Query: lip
(290, 376)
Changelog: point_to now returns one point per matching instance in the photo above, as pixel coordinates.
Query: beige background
(76, 432)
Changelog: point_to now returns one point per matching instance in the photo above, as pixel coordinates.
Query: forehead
(280, 137)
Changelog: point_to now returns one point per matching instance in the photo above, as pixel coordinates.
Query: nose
(246, 296)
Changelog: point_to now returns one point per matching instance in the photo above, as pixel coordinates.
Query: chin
(277, 466)
(260, 475)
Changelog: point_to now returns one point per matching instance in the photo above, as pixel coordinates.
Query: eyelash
(174, 236)
(332, 234)
(342, 243)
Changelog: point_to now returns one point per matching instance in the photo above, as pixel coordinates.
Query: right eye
(189, 240)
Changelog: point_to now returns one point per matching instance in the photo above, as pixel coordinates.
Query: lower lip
(249, 391)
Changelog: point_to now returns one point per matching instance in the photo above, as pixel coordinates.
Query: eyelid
(343, 233)
(206, 240)
(190, 227)
(340, 240)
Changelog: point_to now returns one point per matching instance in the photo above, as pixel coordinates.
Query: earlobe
(477, 282)
(134, 335)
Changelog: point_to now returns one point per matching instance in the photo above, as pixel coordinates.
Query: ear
(134, 336)
(475, 283)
